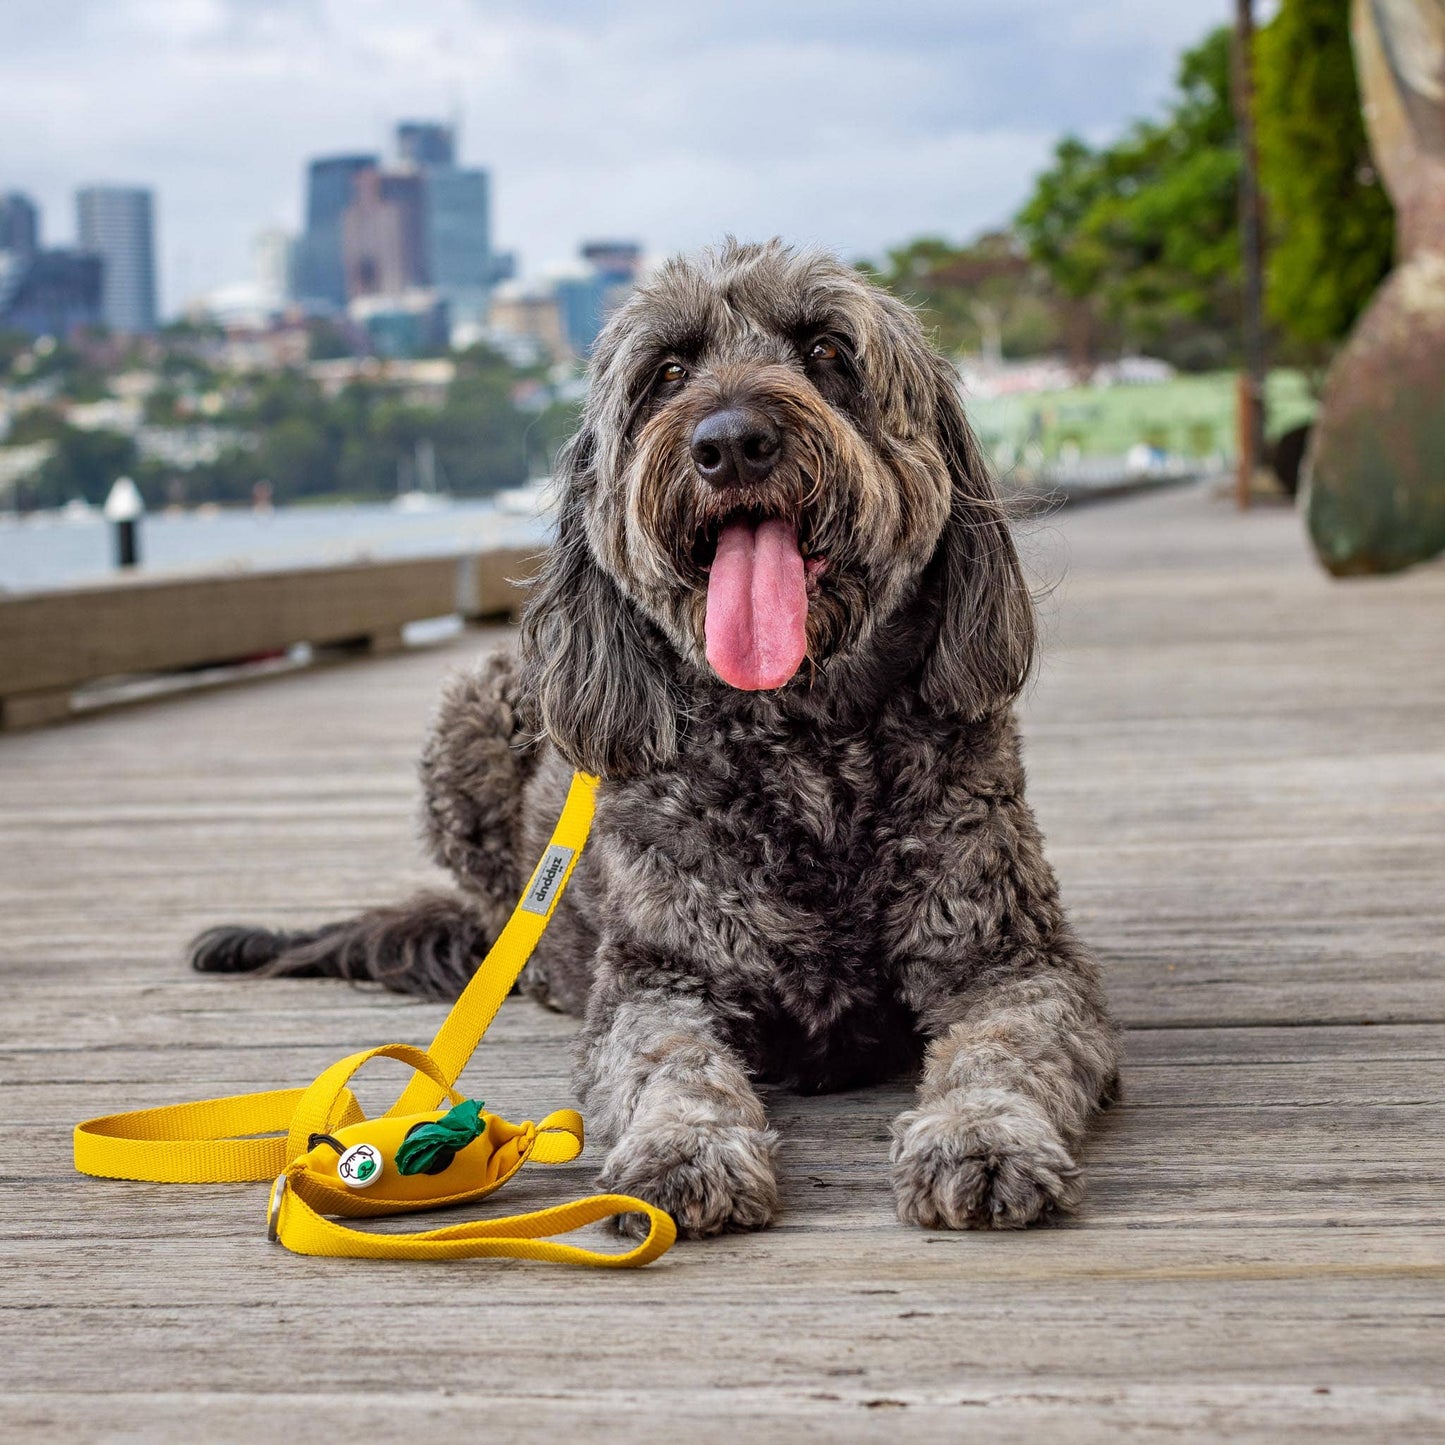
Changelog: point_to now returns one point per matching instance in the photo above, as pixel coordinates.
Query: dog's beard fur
(869, 521)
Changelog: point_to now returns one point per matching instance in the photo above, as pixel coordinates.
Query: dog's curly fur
(817, 885)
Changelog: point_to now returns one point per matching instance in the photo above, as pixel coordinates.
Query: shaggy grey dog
(784, 620)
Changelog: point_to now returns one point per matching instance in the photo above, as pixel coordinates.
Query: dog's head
(773, 462)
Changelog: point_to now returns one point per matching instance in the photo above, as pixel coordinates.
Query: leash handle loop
(319, 1100)
(302, 1230)
(203, 1142)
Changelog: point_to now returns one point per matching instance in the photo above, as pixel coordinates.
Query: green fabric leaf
(429, 1148)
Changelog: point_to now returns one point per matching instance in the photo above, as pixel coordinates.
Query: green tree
(1143, 233)
(480, 435)
(84, 464)
(986, 296)
(326, 341)
(13, 345)
(297, 457)
(1330, 222)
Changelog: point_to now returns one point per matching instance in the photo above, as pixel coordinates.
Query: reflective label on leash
(550, 872)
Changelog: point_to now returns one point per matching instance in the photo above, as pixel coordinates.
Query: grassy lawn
(1189, 416)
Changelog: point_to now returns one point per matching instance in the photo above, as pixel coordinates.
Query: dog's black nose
(735, 447)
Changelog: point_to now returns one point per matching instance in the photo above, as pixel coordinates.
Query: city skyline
(841, 124)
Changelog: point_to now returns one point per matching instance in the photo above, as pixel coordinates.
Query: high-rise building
(373, 231)
(413, 324)
(43, 293)
(19, 240)
(383, 235)
(56, 293)
(587, 300)
(320, 268)
(273, 257)
(407, 193)
(425, 143)
(614, 262)
(19, 226)
(458, 219)
(580, 301)
(458, 235)
(116, 223)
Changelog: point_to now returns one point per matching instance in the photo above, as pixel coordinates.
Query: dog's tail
(428, 946)
(480, 755)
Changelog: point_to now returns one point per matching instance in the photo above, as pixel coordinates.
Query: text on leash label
(549, 874)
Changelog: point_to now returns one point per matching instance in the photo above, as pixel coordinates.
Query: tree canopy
(1134, 246)
(986, 296)
(1331, 226)
(1144, 232)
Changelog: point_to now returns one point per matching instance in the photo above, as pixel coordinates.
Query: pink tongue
(757, 606)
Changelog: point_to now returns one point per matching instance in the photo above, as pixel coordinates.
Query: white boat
(418, 501)
(538, 498)
(424, 497)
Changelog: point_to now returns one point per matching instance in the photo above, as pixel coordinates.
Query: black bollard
(124, 507)
(127, 552)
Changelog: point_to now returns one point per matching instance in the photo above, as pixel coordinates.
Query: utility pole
(1251, 417)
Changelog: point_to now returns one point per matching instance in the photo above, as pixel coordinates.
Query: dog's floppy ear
(590, 659)
(984, 649)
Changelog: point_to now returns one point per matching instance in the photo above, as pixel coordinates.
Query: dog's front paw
(710, 1178)
(983, 1160)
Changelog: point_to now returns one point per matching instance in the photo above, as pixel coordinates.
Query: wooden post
(1246, 420)
(1251, 241)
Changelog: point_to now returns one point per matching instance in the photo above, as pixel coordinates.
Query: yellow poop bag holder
(333, 1160)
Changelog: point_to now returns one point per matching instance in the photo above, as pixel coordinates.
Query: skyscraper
(615, 262)
(425, 143)
(375, 231)
(458, 218)
(43, 293)
(458, 231)
(116, 223)
(56, 293)
(273, 256)
(19, 226)
(383, 235)
(587, 301)
(19, 240)
(321, 272)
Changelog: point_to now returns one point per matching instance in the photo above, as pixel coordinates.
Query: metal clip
(273, 1211)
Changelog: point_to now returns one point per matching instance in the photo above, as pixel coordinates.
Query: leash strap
(520, 1236)
(207, 1142)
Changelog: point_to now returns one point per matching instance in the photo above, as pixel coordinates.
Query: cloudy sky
(855, 123)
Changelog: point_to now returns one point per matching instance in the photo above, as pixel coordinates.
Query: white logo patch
(550, 872)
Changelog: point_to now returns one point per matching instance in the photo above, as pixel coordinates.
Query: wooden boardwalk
(1241, 770)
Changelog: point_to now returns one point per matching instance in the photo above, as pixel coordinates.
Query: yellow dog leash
(333, 1160)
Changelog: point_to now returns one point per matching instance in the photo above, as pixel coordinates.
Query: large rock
(1375, 498)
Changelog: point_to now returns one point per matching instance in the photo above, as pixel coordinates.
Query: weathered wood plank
(840, 1407)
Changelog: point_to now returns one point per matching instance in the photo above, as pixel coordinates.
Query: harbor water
(59, 549)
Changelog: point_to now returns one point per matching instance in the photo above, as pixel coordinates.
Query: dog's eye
(823, 350)
(671, 374)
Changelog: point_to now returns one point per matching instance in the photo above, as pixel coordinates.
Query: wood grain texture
(1239, 767)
